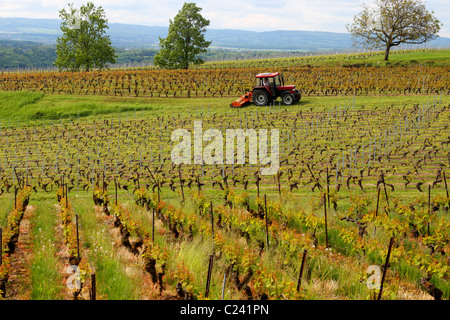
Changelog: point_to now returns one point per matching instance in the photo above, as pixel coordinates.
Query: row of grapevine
(232, 81)
(83, 285)
(10, 235)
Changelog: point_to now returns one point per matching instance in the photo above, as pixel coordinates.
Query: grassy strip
(46, 281)
(78, 261)
(5, 209)
(115, 274)
(48, 108)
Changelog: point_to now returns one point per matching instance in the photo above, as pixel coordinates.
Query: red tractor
(269, 86)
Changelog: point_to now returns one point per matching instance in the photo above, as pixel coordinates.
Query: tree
(84, 43)
(185, 39)
(390, 23)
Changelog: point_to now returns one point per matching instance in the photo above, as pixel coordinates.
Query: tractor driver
(267, 82)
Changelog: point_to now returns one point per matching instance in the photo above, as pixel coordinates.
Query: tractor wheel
(260, 98)
(288, 98)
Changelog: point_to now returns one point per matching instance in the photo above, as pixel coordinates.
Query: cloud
(255, 15)
(323, 15)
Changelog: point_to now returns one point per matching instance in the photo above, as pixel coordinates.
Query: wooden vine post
(257, 185)
(93, 287)
(429, 209)
(1, 246)
(446, 189)
(212, 223)
(299, 283)
(326, 223)
(328, 190)
(181, 183)
(376, 210)
(385, 267)
(208, 280)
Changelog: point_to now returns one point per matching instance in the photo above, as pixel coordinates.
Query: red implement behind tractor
(269, 86)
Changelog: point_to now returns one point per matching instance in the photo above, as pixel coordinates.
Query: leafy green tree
(389, 23)
(84, 44)
(185, 39)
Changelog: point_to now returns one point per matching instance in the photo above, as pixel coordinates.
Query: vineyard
(95, 208)
(314, 76)
(198, 83)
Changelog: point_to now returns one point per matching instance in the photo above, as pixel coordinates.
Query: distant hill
(137, 36)
(281, 40)
(26, 54)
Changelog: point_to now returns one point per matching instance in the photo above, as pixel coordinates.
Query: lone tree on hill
(84, 44)
(185, 39)
(390, 23)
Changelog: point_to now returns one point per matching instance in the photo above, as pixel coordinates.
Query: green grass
(422, 57)
(6, 205)
(25, 106)
(46, 280)
(113, 282)
(426, 57)
(438, 58)
(19, 108)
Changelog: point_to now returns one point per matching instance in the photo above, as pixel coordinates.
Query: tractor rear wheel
(260, 98)
(288, 98)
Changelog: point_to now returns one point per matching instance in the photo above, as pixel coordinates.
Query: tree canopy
(185, 39)
(84, 43)
(389, 23)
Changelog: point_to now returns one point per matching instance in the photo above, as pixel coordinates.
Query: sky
(252, 15)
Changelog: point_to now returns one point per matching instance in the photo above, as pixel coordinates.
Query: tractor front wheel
(288, 98)
(260, 98)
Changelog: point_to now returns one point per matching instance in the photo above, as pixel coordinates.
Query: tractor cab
(268, 79)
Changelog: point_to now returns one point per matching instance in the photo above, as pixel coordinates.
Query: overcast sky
(254, 15)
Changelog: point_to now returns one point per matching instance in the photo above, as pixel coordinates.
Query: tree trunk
(386, 53)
